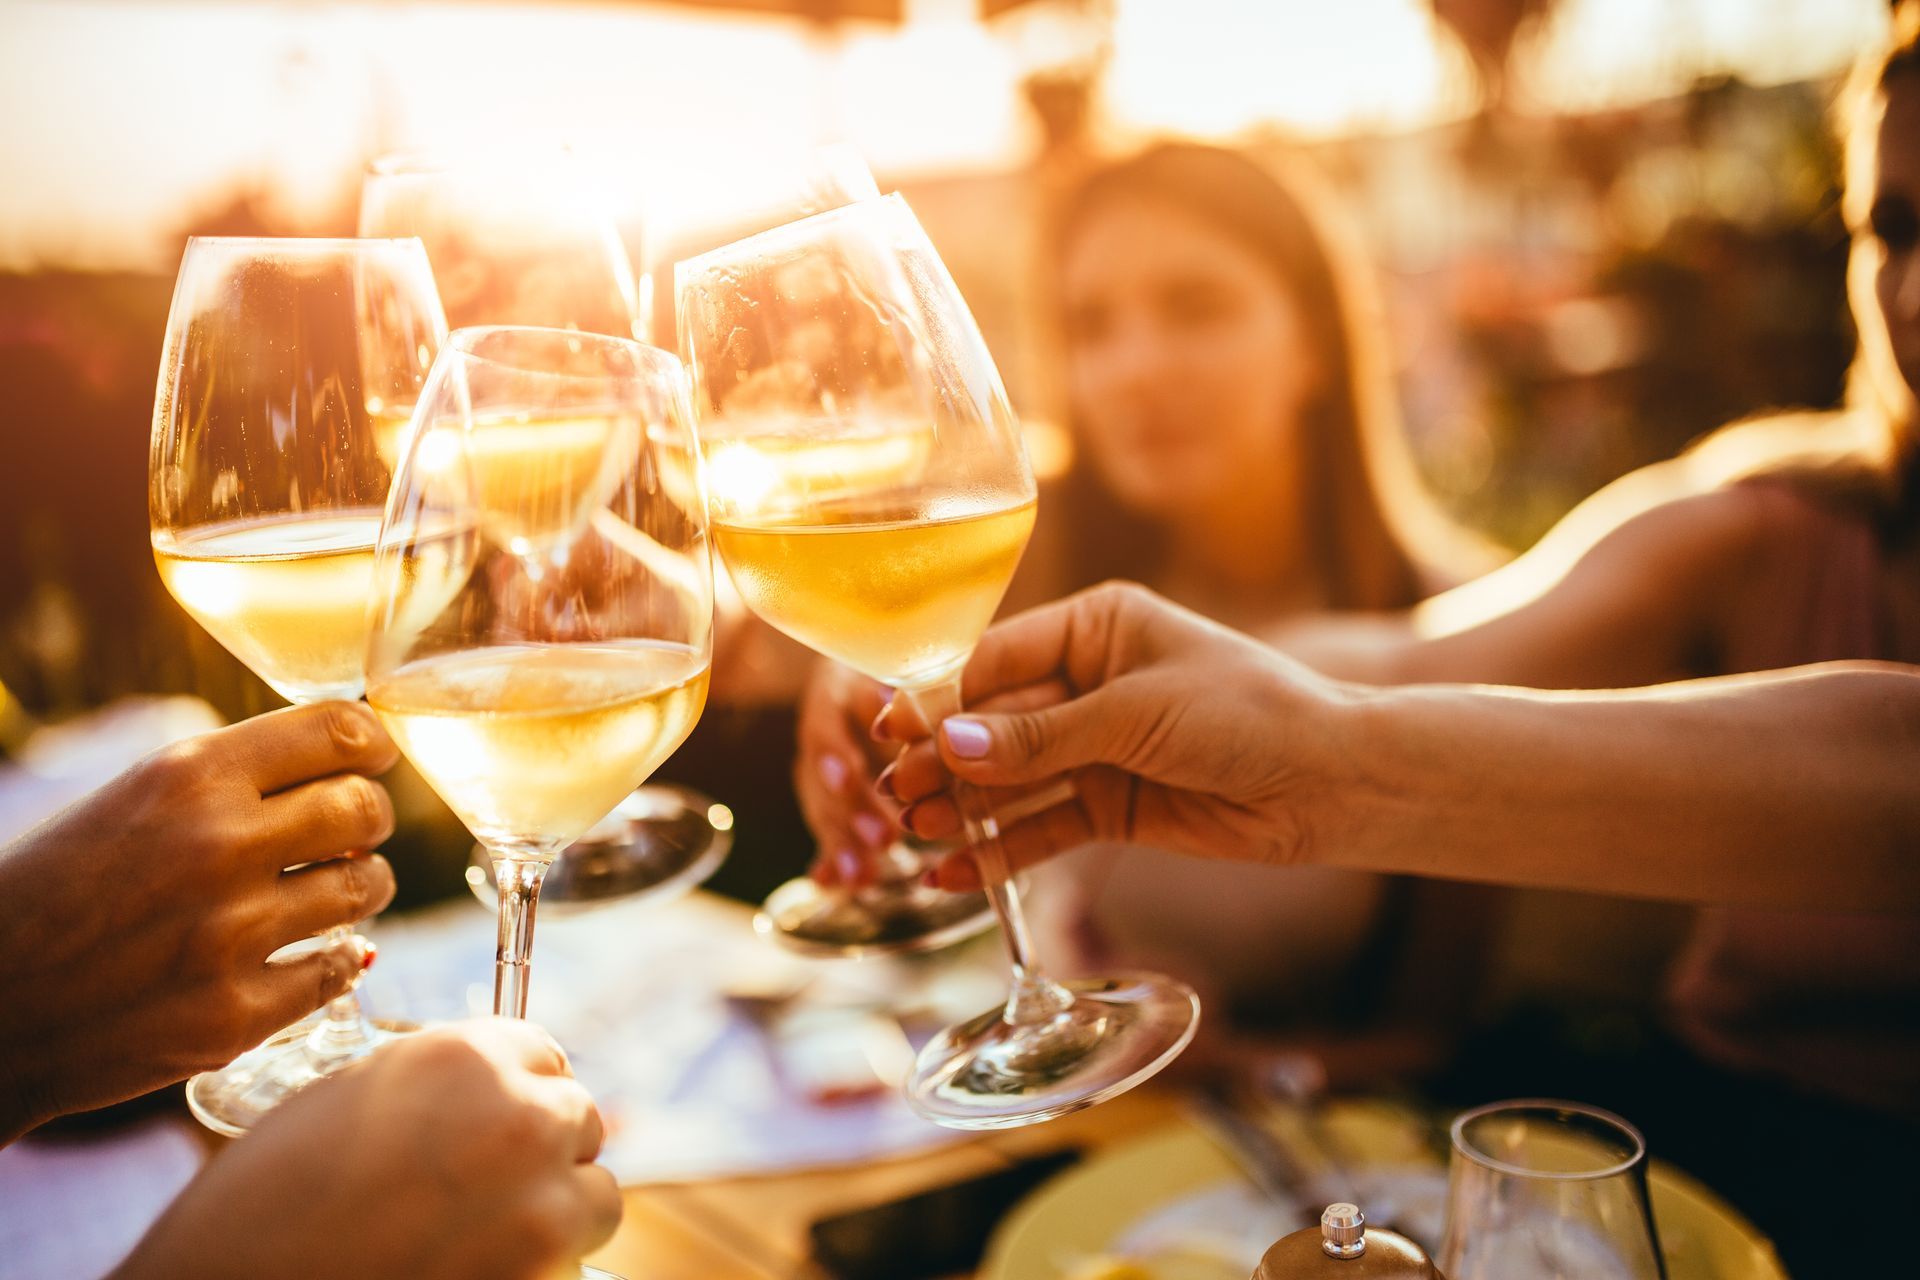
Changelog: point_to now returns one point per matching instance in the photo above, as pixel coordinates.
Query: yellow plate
(1079, 1215)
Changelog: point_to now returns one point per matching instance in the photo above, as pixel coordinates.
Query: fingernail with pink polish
(968, 738)
(833, 772)
(848, 864)
(872, 832)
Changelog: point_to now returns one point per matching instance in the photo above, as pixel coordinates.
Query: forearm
(1789, 789)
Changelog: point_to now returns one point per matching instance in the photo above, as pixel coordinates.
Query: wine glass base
(658, 843)
(988, 1073)
(901, 918)
(232, 1100)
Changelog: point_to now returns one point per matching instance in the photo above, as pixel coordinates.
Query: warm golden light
(697, 118)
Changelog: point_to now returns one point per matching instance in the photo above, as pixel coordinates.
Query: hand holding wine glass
(265, 491)
(871, 497)
(158, 899)
(461, 1152)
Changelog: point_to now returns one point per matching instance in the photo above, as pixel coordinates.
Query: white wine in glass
(871, 498)
(286, 594)
(266, 490)
(571, 657)
(902, 599)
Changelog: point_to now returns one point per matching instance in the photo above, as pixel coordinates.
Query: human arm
(464, 1153)
(1632, 587)
(1796, 788)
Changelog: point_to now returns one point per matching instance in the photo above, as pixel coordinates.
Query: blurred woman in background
(1239, 449)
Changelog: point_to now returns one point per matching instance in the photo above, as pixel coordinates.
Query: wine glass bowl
(1545, 1190)
(519, 238)
(266, 485)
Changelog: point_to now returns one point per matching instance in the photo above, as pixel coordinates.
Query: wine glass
(1542, 1190)
(266, 487)
(542, 612)
(521, 238)
(526, 239)
(871, 497)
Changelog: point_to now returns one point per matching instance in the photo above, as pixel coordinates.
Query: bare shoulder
(1652, 532)
(1752, 479)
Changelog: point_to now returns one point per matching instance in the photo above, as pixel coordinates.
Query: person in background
(1239, 450)
(1777, 793)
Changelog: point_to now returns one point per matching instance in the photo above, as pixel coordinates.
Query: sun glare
(133, 116)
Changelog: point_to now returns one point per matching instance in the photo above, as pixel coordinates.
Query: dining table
(755, 1228)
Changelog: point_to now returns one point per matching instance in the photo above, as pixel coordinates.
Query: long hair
(1369, 527)
(1874, 383)
(1868, 455)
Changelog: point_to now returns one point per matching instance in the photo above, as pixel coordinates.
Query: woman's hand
(464, 1152)
(834, 769)
(1175, 732)
(140, 919)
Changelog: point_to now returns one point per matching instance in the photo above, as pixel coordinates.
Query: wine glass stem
(1035, 997)
(341, 1032)
(519, 880)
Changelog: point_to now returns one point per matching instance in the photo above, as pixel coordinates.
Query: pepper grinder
(1342, 1248)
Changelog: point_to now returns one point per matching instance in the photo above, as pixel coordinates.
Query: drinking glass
(517, 238)
(543, 596)
(265, 491)
(525, 238)
(1544, 1190)
(871, 498)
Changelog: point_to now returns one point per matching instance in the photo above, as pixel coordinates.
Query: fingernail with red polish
(968, 738)
(369, 953)
(884, 784)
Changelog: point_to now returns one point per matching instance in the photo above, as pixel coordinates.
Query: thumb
(1015, 747)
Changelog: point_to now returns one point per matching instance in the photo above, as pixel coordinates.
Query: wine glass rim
(461, 342)
(1634, 1158)
(795, 229)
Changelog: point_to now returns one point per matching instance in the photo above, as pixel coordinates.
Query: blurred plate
(1147, 1204)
